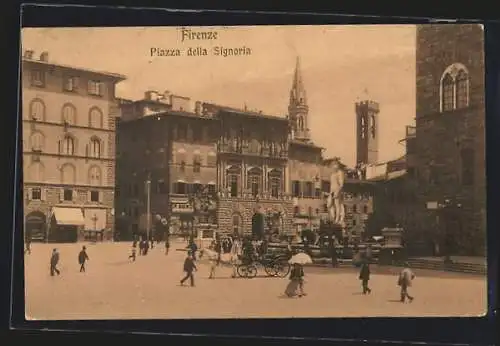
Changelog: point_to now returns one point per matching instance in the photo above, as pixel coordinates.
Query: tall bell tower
(367, 132)
(297, 107)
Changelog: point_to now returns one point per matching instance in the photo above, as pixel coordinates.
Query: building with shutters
(68, 143)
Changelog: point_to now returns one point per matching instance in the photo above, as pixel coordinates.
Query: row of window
(69, 115)
(188, 133)
(36, 173)
(67, 146)
(67, 195)
(181, 158)
(253, 146)
(254, 183)
(187, 188)
(348, 209)
(308, 189)
(69, 83)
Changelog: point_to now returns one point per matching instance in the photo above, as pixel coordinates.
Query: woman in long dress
(296, 281)
(236, 251)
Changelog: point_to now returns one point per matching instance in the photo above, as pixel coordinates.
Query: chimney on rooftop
(197, 107)
(28, 54)
(44, 56)
(151, 95)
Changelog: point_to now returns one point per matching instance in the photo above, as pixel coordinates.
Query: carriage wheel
(251, 271)
(270, 269)
(246, 271)
(281, 269)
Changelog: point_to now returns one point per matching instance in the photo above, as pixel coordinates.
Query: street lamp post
(148, 208)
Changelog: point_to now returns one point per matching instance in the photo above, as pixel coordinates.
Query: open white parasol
(300, 258)
(209, 253)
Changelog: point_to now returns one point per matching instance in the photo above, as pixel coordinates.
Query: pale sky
(338, 64)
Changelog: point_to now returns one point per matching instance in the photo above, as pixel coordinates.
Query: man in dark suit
(189, 268)
(54, 260)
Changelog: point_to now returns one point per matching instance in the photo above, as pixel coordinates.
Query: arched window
(254, 181)
(69, 114)
(95, 118)
(237, 224)
(447, 93)
(462, 83)
(454, 88)
(95, 148)
(275, 183)
(68, 146)
(37, 110)
(68, 174)
(363, 126)
(301, 123)
(36, 172)
(233, 179)
(37, 141)
(95, 178)
(254, 146)
(373, 124)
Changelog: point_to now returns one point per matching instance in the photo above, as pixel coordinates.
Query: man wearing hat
(82, 258)
(54, 260)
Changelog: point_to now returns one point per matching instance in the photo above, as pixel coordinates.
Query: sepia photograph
(312, 171)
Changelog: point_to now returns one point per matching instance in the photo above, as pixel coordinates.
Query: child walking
(132, 255)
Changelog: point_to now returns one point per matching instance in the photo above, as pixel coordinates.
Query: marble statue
(335, 199)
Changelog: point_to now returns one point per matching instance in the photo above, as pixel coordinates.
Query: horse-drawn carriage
(275, 265)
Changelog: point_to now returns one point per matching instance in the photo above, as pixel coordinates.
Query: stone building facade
(68, 131)
(450, 135)
(245, 160)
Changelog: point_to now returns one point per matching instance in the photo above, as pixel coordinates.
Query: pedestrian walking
(235, 253)
(192, 248)
(404, 281)
(82, 258)
(141, 247)
(54, 261)
(364, 276)
(296, 281)
(189, 268)
(167, 246)
(216, 261)
(28, 246)
(146, 247)
(132, 255)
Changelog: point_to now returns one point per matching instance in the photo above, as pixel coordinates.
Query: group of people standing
(144, 246)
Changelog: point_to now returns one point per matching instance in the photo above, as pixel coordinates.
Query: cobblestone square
(115, 288)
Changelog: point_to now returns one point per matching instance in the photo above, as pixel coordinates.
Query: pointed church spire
(298, 91)
(297, 108)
